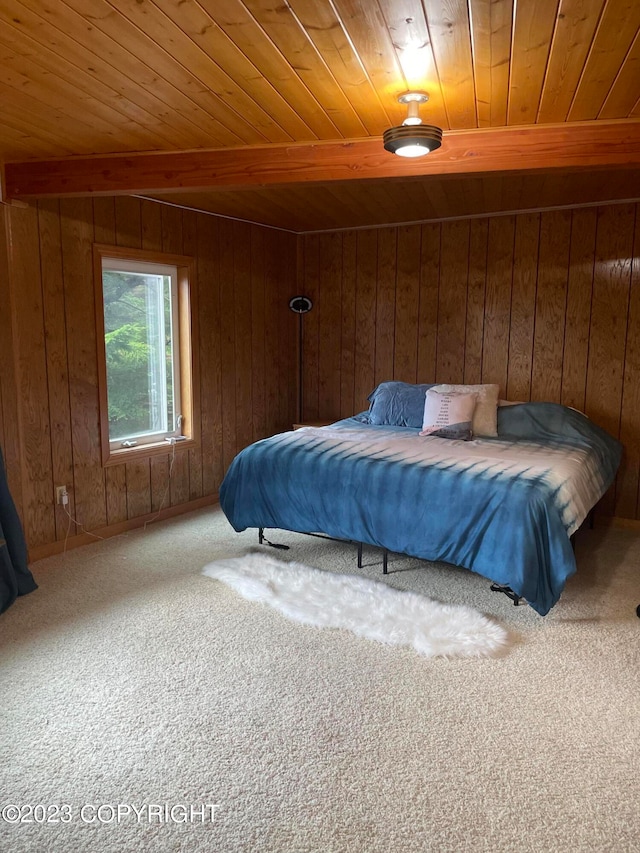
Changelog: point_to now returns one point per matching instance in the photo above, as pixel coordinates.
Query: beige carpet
(129, 679)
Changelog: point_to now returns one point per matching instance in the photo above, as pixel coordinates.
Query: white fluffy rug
(368, 608)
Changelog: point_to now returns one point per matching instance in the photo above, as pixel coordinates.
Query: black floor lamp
(300, 305)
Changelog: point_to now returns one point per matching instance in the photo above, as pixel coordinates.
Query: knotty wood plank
(29, 341)
(405, 357)
(623, 95)
(242, 311)
(132, 82)
(227, 341)
(89, 484)
(330, 274)
(12, 416)
(532, 32)
(452, 301)
(236, 107)
(348, 326)
(159, 482)
(449, 29)
(258, 358)
(85, 103)
(56, 354)
(138, 483)
(284, 247)
(579, 291)
(179, 479)
(428, 306)
(367, 255)
(386, 304)
(214, 41)
(617, 29)
(491, 26)
(572, 38)
(128, 222)
(628, 481)
(523, 306)
(297, 46)
(495, 349)
(309, 329)
(476, 286)
(163, 86)
(209, 318)
(610, 301)
(344, 50)
(190, 247)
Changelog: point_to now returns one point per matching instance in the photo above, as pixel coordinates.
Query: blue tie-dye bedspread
(503, 507)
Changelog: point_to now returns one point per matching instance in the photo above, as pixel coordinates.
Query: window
(145, 351)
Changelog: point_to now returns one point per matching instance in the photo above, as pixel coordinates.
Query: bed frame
(494, 587)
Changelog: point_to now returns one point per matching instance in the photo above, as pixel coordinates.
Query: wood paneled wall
(48, 374)
(545, 304)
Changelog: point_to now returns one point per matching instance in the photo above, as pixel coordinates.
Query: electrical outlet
(62, 496)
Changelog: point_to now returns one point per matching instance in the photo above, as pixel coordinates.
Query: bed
(503, 506)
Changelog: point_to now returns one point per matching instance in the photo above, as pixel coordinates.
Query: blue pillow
(397, 404)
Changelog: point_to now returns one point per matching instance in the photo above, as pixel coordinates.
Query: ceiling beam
(590, 145)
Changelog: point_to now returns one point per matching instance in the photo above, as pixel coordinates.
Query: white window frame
(179, 268)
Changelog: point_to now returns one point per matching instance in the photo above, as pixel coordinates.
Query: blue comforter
(503, 507)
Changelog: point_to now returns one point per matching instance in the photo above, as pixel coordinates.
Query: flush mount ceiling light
(413, 138)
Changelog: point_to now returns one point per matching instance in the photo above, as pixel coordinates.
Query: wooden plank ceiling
(289, 83)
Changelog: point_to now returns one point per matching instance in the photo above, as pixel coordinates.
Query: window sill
(135, 454)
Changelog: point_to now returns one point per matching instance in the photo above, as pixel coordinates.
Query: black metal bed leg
(359, 555)
(385, 555)
(260, 535)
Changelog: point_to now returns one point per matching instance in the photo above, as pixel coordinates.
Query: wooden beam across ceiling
(504, 150)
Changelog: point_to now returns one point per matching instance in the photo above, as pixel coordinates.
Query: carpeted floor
(130, 681)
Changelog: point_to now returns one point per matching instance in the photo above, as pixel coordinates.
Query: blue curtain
(15, 577)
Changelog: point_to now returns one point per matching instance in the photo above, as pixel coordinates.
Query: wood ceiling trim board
(409, 34)
(101, 57)
(575, 28)
(533, 30)
(450, 32)
(282, 26)
(202, 28)
(591, 145)
(242, 111)
(623, 94)
(328, 33)
(49, 87)
(491, 26)
(247, 34)
(616, 31)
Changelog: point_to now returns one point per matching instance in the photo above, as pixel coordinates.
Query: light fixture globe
(412, 138)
